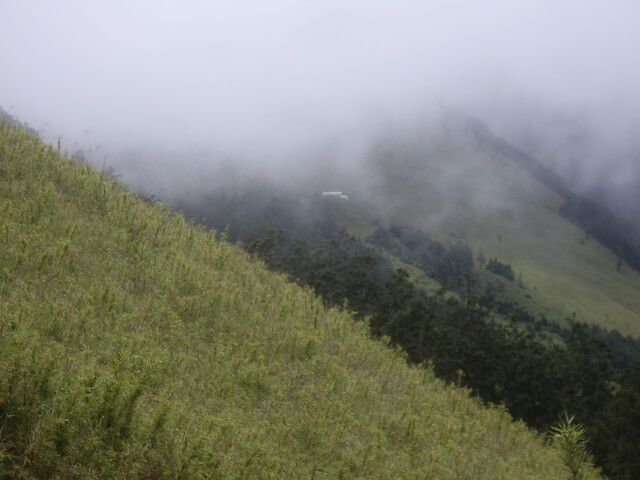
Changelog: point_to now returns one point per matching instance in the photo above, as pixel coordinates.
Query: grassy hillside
(135, 345)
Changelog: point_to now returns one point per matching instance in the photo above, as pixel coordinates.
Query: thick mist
(163, 91)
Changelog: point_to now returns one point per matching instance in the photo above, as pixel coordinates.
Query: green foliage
(262, 248)
(502, 364)
(571, 439)
(616, 430)
(502, 269)
(447, 264)
(138, 345)
(505, 365)
(513, 364)
(534, 359)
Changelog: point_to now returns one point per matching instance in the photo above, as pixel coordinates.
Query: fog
(180, 84)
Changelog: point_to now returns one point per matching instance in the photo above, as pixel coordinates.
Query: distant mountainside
(455, 180)
(616, 232)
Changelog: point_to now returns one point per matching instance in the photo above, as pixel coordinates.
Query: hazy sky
(266, 76)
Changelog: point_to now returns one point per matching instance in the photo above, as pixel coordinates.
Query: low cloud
(183, 84)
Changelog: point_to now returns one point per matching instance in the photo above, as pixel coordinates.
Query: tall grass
(136, 345)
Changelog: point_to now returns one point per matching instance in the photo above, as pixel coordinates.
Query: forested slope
(135, 345)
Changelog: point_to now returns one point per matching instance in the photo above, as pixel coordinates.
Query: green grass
(136, 345)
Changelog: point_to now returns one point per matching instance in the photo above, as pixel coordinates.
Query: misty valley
(460, 268)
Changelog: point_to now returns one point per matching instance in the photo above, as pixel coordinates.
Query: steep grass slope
(134, 345)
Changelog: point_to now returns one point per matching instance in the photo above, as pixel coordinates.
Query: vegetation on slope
(137, 345)
(585, 370)
(536, 367)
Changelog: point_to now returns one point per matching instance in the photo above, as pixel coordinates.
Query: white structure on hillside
(339, 195)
